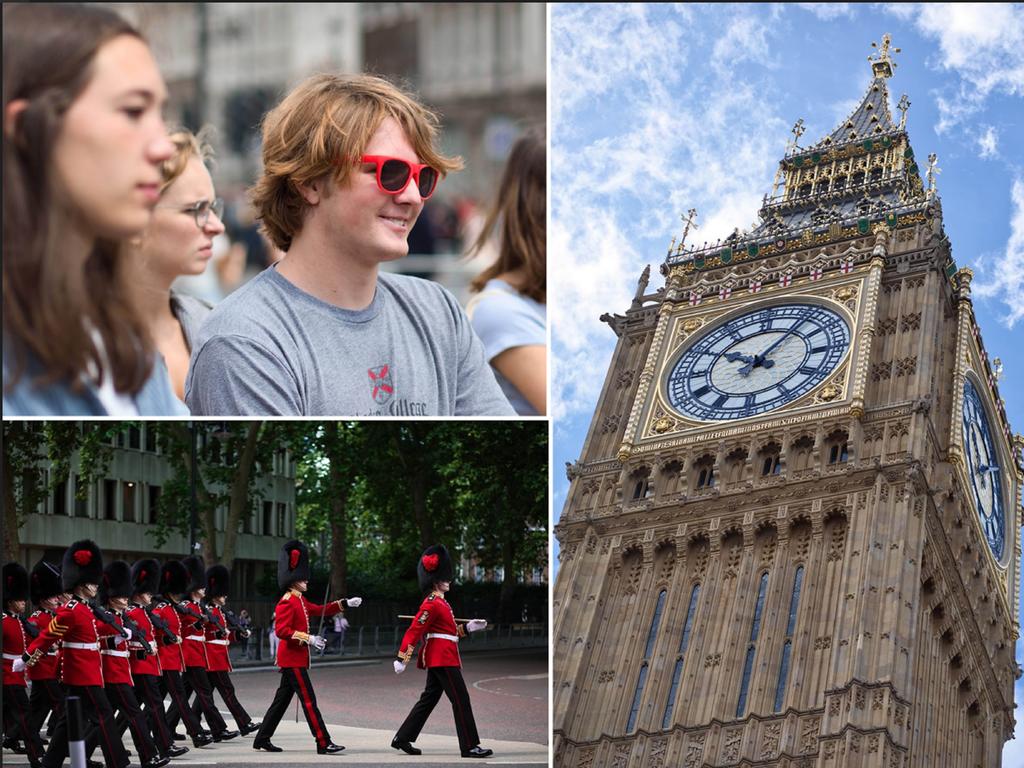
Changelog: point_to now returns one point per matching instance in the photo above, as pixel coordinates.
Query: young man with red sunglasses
(348, 163)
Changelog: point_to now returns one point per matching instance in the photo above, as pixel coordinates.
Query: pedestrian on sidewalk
(245, 622)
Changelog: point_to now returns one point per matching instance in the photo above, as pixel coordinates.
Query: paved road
(364, 702)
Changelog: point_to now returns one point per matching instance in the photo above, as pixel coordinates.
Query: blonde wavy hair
(186, 146)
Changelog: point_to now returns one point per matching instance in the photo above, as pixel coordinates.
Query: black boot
(330, 749)
(266, 746)
(478, 751)
(405, 746)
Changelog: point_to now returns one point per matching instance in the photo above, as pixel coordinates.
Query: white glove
(399, 667)
(475, 625)
(152, 647)
(354, 602)
(129, 637)
(118, 640)
(19, 665)
(318, 642)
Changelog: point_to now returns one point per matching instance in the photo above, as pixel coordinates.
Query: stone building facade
(791, 538)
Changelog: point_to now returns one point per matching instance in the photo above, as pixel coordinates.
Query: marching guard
(81, 667)
(291, 624)
(17, 718)
(435, 624)
(173, 581)
(218, 638)
(194, 650)
(47, 695)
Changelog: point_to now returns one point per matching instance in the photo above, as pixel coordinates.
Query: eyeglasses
(393, 175)
(201, 210)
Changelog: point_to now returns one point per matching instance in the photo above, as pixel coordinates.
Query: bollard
(76, 736)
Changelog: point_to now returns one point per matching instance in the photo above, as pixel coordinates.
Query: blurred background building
(481, 65)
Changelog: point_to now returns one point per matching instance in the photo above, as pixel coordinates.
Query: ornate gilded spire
(883, 65)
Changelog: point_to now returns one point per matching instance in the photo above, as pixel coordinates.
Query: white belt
(12, 656)
(453, 638)
(122, 654)
(83, 646)
(197, 638)
(218, 642)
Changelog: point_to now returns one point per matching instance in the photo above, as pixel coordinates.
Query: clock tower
(792, 535)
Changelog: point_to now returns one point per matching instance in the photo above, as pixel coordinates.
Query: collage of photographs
(297, 468)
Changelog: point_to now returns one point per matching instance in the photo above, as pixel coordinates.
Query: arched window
(642, 488)
(838, 448)
(755, 630)
(677, 673)
(787, 646)
(704, 472)
(642, 679)
(771, 463)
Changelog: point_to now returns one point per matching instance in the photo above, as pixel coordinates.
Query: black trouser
(197, 681)
(97, 712)
(222, 682)
(295, 680)
(47, 696)
(151, 700)
(122, 698)
(18, 721)
(440, 680)
(171, 683)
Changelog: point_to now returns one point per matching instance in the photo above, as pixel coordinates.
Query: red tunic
(14, 647)
(217, 642)
(435, 618)
(291, 616)
(171, 657)
(116, 668)
(194, 638)
(142, 664)
(48, 667)
(77, 627)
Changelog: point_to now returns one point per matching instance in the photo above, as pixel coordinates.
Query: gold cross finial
(798, 131)
(689, 221)
(883, 65)
(903, 106)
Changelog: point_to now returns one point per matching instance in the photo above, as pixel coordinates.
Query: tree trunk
(506, 608)
(203, 511)
(339, 484)
(12, 545)
(239, 495)
(416, 480)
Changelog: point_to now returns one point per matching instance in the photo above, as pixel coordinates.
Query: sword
(457, 621)
(320, 632)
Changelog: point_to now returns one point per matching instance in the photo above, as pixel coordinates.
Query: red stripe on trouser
(109, 751)
(140, 740)
(27, 735)
(227, 691)
(181, 709)
(457, 706)
(311, 714)
(156, 715)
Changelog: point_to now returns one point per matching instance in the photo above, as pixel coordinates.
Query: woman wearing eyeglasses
(83, 143)
(178, 241)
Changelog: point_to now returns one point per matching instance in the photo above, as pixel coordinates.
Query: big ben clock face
(757, 362)
(983, 469)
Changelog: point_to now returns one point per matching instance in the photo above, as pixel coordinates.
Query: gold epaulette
(406, 655)
(286, 596)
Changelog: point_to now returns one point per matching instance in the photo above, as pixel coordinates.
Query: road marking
(479, 683)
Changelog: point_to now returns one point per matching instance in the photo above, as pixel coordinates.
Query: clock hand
(732, 357)
(764, 355)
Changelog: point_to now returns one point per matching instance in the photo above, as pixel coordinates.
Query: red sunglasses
(393, 175)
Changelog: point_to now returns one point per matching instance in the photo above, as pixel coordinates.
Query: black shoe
(405, 746)
(250, 728)
(202, 740)
(478, 751)
(176, 751)
(224, 735)
(179, 736)
(330, 749)
(14, 746)
(266, 746)
(94, 764)
(156, 762)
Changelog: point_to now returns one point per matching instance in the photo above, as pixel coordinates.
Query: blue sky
(658, 109)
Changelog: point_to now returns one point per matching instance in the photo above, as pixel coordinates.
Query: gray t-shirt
(272, 349)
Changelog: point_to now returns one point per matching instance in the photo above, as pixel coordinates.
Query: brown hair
(325, 119)
(521, 210)
(186, 146)
(52, 307)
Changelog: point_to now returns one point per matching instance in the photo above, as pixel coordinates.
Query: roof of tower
(871, 118)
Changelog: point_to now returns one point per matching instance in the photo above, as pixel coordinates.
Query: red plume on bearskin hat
(117, 581)
(292, 564)
(434, 565)
(218, 581)
(173, 578)
(146, 576)
(82, 564)
(15, 582)
(196, 572)
(44, 582)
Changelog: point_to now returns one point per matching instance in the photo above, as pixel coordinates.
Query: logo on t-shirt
(380, 383)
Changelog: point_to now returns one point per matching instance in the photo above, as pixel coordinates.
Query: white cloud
(988, 142)
(828, 11)
(1004, 275)
(982, 42)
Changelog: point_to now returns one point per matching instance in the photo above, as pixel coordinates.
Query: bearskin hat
(146, 576)
(82, 564)
(117, 581)
(292, 564)
(15, 582)
(173, 578)
(196, 572)
(44, 582)
(434, 565)
(218, 581)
